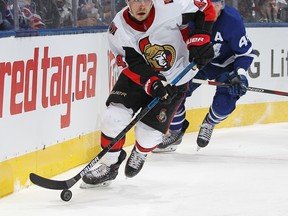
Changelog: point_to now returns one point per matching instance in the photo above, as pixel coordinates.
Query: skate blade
(84, 185)
(165, 150)
(198, 148)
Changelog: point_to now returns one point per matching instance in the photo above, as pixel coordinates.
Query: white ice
(242, 172)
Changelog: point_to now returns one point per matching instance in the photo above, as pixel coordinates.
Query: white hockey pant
(116, 117)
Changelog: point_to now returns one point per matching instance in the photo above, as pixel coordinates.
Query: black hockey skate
(171, 140)
(134, 163)
(205, 133)
(102, 175)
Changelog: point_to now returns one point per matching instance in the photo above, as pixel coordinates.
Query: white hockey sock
(111, 158)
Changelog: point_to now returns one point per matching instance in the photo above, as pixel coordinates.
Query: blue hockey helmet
(222, 1)
(217, 1)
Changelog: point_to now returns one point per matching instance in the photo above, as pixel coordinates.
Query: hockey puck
(66, 195)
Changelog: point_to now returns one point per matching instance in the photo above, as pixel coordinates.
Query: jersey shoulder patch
(112, 28)
(201, 3)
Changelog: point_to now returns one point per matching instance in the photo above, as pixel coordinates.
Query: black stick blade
(49, 183)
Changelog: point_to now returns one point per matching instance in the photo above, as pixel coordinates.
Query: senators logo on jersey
(160, 57)
(162, 117)
(201, 4)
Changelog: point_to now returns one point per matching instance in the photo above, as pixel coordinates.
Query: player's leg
(179, 124)
(147, 138)
(125, 99)
(149, 131)
(115, 119)
(222, 106)
(173, 138)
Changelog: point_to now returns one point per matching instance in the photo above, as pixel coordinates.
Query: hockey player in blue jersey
(233, 56)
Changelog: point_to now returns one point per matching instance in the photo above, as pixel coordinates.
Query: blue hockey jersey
(231, 45)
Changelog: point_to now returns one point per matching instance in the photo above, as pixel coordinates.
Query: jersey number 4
(243, 41)
(120, 62)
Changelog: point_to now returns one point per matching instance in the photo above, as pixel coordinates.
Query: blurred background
(55, 14)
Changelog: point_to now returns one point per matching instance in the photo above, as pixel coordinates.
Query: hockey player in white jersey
(233, 57)
(152, 45)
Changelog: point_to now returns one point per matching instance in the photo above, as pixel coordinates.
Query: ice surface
(242, 172)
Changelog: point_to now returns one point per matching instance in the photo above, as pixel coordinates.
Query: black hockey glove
(239, 84)
(156, 86)
(200, 48)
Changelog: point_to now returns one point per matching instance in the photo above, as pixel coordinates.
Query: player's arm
(198, 38)
(133, 65)
(138, 70)
(242, 47)
(203, 19)
(154, 83)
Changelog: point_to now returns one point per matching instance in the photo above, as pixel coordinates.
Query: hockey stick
(254, 89)
(66, 184)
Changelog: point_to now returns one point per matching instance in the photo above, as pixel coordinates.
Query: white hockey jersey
(158, 39)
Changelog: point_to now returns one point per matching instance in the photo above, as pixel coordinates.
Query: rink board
(45, 132)
(64, 156)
